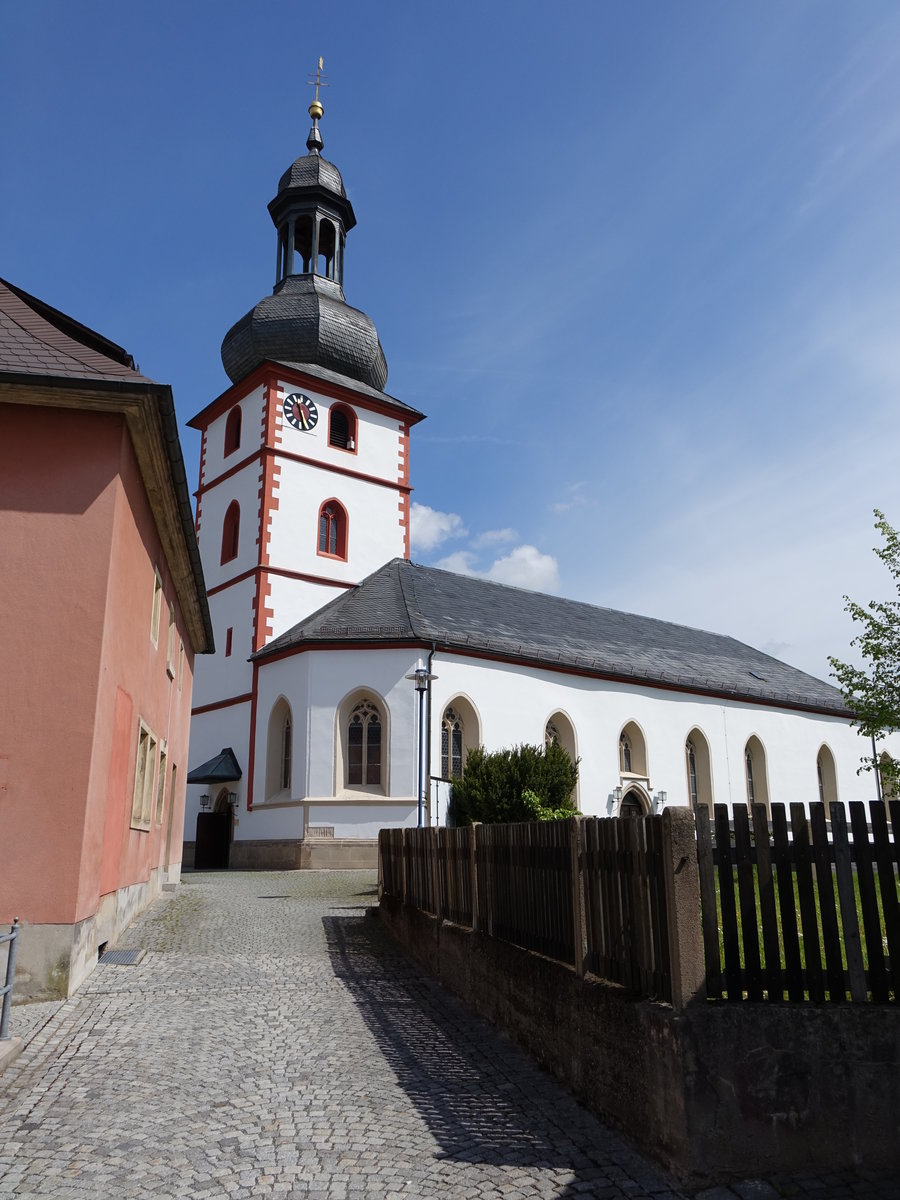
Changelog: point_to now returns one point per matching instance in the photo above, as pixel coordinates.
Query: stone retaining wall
(713, 1091)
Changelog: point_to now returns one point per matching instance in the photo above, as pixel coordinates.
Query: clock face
(300, 411)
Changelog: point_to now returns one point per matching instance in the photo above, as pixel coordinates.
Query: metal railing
(6, 992)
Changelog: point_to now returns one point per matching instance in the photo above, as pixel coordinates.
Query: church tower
(304, 469)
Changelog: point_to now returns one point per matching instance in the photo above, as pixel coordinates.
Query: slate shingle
(406, 602)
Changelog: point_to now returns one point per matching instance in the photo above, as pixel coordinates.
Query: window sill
(333, 557)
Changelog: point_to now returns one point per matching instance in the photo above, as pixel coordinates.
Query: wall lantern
(232, 798)
(204, 801)
(659, 801)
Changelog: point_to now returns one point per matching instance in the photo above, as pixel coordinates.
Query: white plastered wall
(514, 703)
(215, 460)
(315, 683)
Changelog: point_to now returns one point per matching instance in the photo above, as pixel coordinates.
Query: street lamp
(421, 679)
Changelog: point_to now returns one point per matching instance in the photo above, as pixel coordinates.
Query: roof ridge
(402, 579)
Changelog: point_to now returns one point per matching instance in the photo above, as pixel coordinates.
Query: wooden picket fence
(588, 892)
(625, 903)
(804, 912)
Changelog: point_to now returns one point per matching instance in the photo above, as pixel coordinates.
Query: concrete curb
(10, 1049)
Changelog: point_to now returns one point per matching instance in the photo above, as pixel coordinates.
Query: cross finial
(317, 80)
(314, 142)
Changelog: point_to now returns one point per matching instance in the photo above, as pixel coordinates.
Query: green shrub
(526, 783)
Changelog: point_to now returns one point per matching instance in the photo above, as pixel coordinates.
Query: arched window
(632, 751)
(303, 231)
(625, 754)
(364, 743)
(460, 733)
(697, 765)
(342, 427)
(451, 744)
(233, 430)
(826, 776)
(333, 529)
(327, 244)
(231, 528)
(279, 750)
(755, 773)
(559, 731)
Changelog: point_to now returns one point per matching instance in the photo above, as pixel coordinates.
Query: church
(311, 729)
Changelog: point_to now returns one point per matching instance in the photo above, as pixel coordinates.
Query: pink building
(102, 609)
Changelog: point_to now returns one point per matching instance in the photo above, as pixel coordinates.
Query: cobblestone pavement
(275, 1043)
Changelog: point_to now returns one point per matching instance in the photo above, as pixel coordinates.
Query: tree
(873, 690)
(526, 783)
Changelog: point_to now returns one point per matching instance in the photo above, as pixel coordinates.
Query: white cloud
(575, 498)
(494, 537)
(428, 528)
(460, 562)
(527, 567)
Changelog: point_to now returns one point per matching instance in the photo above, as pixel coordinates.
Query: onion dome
(307, 320)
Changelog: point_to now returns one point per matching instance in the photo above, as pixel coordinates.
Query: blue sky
(639, 263)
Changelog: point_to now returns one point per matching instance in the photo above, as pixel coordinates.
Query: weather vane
(317, 81)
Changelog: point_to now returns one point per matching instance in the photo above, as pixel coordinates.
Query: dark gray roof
(405, 602)
(36, 339)
(306, 319)
(312, 171)
(221, 769)
(361, 388)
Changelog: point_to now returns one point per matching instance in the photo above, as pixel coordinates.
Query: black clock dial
(300, 411)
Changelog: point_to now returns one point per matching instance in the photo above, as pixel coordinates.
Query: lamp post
(421, 679)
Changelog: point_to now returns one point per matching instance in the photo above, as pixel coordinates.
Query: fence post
(683, 907)
(403, 888)
(473, 872)
(579, 931)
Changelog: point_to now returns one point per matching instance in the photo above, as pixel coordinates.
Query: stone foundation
(290, 854)
(52, 961)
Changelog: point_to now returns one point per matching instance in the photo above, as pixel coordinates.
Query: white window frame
(157, 607)
(144, 776)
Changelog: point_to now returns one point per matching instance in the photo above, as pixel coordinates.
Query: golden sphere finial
(316, 110)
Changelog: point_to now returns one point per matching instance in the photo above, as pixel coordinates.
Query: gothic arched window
(364, 746)
(333, 529)
(755, 772)
(625, 754)
(279, 750)
(451, 744)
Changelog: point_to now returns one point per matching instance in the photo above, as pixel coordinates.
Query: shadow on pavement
(483, 1101)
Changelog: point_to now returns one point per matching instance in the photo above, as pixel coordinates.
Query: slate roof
(306, 319)
(36, 339)
(221, 769)
(311, 170)
(405, 602)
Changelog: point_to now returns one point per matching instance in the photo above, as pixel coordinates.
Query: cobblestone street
(274, 1042)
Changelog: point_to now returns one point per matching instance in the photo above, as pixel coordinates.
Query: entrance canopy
(221, 769)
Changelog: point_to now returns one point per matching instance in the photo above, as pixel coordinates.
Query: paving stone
(274, 1042)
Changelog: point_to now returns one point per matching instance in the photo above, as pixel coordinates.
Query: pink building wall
(78, 667)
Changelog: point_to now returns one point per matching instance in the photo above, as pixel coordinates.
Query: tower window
(231, 529)
(342, 428)
(333, 529)
(233, 430)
